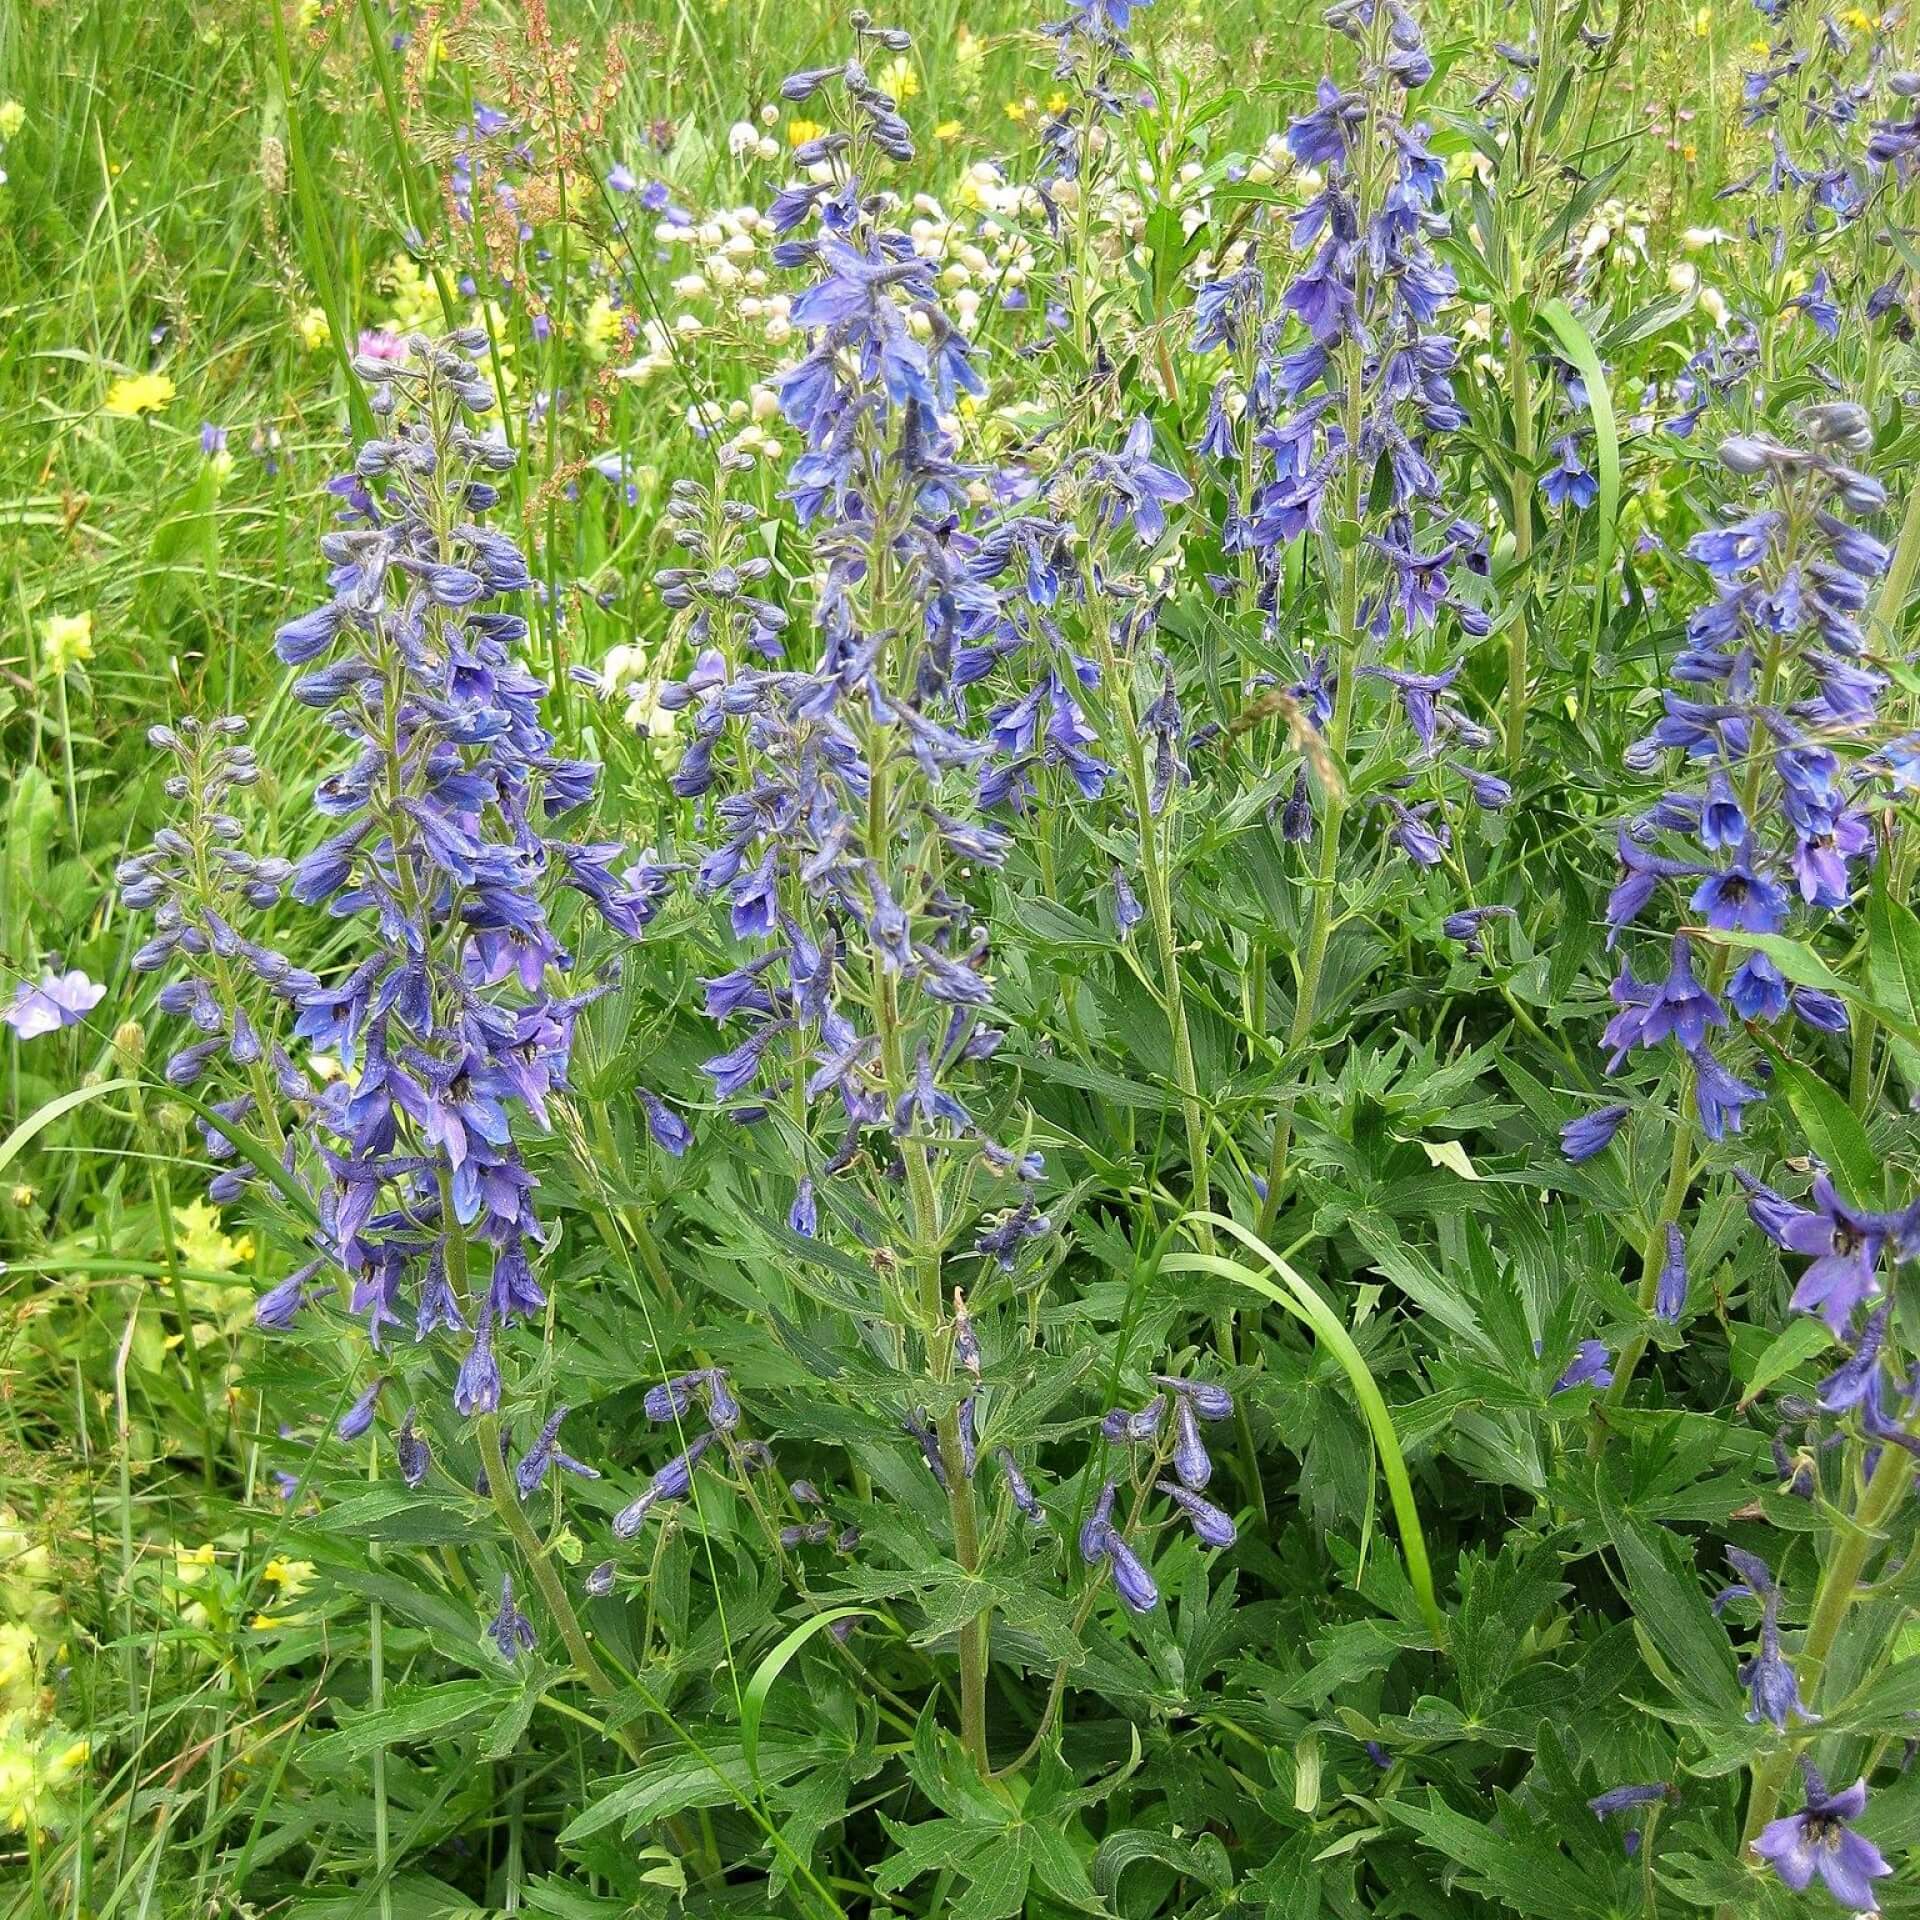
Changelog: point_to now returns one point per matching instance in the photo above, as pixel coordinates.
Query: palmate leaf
(1518, 1867)
(997, 1847)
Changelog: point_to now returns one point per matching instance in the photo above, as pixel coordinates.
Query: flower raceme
(442, 852)
(1770, 698)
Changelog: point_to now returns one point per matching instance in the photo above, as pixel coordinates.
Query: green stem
(1522, 498)
(1333, 814)
(1653, 1256)
(1889, 609)
(512, 1515)
(1839, 1584)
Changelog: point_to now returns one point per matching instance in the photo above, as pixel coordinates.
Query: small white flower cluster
(723, 291)
(629, 675)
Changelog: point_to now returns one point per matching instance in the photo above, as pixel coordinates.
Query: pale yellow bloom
(969, 56)
(898, 78)
(19, 1673)
(191, 1565)
(34, 1766)
(1703, 23)
(137, 393)
(603, 329)
(203, 1243)
(313, 328)
(13, 116)
(292, 1577)
(949, 130)
(66, 639)
(801, 130)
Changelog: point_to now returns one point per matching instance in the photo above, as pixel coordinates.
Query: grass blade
(1300, 1300)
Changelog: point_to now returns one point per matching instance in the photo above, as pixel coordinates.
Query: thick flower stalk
(1770, 712)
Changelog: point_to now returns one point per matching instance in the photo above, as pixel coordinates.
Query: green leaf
(1606, 435)
(44, 1116)
(412, 1715)
(1893, 970)
(1672, 1612)
(1832, 1128)
(1518, 1867)
(1792, 1347)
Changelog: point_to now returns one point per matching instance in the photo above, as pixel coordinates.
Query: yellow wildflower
(19, 1674)
(65, 640)
(13, 116)
(292, 1577)
(1017, 110)
(416, 299)
(202, 1242)
(898, 78)
(800, 130)
(949, 130)
(137, 393)
(1703, 23)
(313, 328)
(33, 1768)
(603, 329)
(192, 1564)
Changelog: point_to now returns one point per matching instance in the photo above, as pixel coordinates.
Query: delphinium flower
(1767, 1674)
(1770, 707)
(1349, 375)
(1813, 97)
(441, 851)
(836, 779)
(669, 1403)
(1820, 1839)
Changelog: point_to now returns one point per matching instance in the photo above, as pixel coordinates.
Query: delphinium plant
(1345, 390)
(443, 1010)
(836, 788)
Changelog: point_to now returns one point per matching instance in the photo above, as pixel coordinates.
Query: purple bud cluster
(1164, 1432)
(669, 1403)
